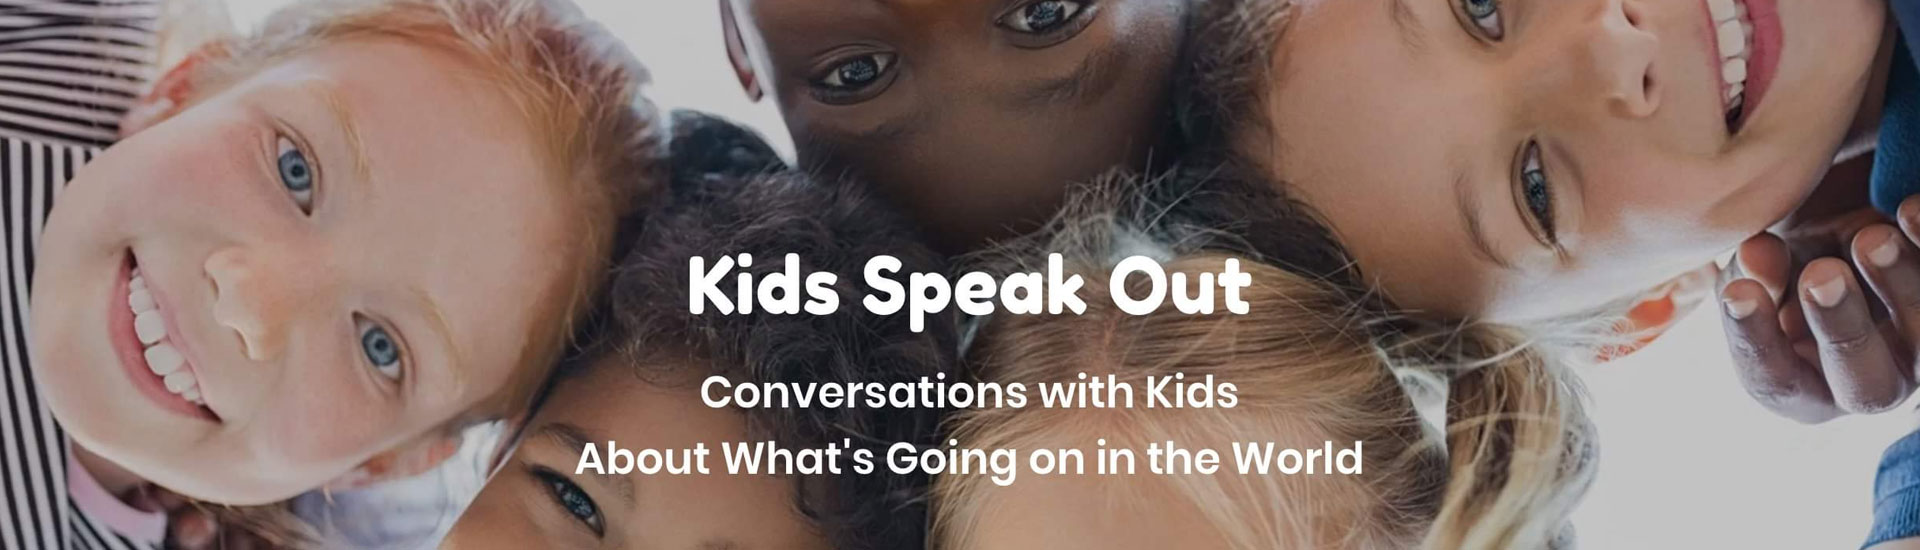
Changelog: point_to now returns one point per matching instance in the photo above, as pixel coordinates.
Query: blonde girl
(1470, 439)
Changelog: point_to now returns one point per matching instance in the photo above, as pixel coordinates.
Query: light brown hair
(1312, 360)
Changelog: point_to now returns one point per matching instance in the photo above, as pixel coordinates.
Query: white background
(1687, 459)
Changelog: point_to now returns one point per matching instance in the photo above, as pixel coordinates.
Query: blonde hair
(578, 89)
(1504, 469)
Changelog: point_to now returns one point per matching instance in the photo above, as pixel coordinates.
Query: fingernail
(1739, 308)
(1888, 251)
(1829, 293)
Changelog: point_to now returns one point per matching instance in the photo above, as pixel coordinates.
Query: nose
(1613, 57)
(257, 294)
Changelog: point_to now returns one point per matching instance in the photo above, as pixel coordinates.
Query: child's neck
(1865, 131)
(116, 480)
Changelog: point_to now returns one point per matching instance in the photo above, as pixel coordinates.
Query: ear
(171, 92)
(407, 461)
(1658, 309)
(737, 52)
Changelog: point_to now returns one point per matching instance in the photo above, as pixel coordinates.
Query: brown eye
(1043, 17)
(572, 499)
(1043, 23)
(855, 78)
(859, 72)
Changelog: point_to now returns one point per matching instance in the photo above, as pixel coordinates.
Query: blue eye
(1485, 15)
(381, 349)
(1536, 192)
(572, 499)
(296, 174)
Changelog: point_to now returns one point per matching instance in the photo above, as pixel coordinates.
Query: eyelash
(1490, 26)
(582, 509)
(1079, 13)
(291, 162)
(365, 329)
(1534, 192)
(831, 87)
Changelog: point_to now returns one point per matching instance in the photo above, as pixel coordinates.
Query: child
(641, 386)
(1487, 453)
(319, 252)
(972, 114)
(1526, 160)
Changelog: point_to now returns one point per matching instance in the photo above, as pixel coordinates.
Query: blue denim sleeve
(1896, 493)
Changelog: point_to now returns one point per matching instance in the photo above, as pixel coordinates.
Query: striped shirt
(69, 70)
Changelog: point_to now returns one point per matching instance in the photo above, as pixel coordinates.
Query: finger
(1859, 365)
(1764, 359)
(1891, 266)
(1767, 260)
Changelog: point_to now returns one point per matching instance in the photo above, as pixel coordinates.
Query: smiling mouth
(153, 361)
(1746, 42)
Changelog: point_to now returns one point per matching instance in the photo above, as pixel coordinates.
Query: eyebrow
(437, 323)
(1470, 218)
(575, 438)
(1412, 35)
(342, 116)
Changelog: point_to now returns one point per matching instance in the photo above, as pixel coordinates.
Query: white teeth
(179, 382)
(149, 327)
(1722, 10)
(163, 360)
(140, 300)
(1733, 39)
(1734, 71)
(1733, 34)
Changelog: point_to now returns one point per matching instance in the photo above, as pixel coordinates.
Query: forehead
(431, 182)
(1375, 137)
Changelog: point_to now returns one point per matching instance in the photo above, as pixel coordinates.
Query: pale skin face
(338, 246)
(526, 504)
(1408, 126)
(1088, 512)
(975, 114)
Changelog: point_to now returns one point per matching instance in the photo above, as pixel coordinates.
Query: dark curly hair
(730, 195)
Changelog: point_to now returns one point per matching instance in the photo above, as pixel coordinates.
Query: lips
(152, 358)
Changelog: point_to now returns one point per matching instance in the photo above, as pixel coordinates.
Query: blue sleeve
(1896, 493)
(1896, 158)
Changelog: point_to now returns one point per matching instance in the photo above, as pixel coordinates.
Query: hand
(1830, 348)
(192, 526)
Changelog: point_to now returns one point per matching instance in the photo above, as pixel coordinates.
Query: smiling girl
(317, 254)
(1527, 159)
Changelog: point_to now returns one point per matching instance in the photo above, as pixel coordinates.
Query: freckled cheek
(325, 419)
(193, 167)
